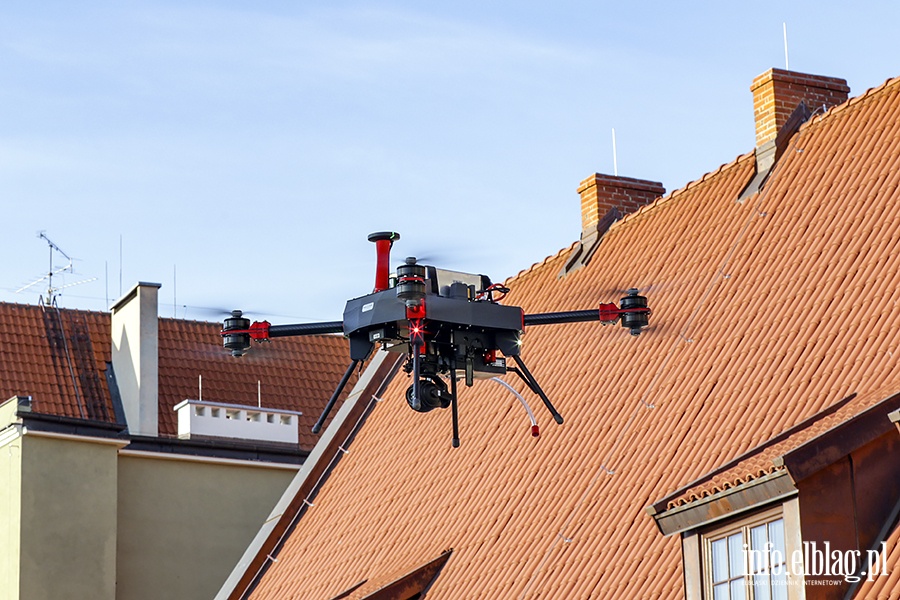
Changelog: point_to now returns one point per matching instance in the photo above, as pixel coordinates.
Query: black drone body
(449, 325)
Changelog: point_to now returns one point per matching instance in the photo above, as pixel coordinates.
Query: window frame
(697, 564)
(723, 532)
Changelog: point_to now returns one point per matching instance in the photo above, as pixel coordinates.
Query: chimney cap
(836, 84)
(132, 293)
(625, 183)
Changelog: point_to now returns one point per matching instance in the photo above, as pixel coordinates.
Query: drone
(450, 325)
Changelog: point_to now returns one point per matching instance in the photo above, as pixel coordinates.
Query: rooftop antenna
(120, 265)
(786, 64)
(52, 292)
(615, 158)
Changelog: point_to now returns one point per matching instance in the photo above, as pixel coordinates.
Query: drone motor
(238, 342)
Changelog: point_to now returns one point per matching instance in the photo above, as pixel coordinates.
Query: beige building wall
(68, 518)
(10, 513)
(184, 523)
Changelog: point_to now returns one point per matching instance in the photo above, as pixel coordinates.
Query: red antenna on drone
(383, 242)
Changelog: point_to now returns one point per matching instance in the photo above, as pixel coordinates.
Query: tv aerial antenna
(51, 291)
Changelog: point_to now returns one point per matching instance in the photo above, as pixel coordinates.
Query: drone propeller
(218, 313)
(211, 311)
(640, 290)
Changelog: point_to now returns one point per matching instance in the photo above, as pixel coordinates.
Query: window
(747, 560)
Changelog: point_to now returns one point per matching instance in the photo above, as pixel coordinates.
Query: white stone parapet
(216, 419)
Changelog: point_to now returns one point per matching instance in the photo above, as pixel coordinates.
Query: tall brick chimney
(604, 200)
(782, 102)
(776, 93)
(602, 193)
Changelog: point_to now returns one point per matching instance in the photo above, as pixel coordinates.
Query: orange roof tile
(764, 314)
(886, 584)
(761, 461)
(60, 359)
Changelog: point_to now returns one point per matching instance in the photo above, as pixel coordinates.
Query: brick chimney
(602, 193)
(776, 93)
(604, 200)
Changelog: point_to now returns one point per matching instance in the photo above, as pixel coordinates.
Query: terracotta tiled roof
(884, 587)
(764, 314)
(58, 357)
(760, 461)
(40, 361)
(293, 373)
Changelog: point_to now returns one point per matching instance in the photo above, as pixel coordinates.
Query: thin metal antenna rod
(615, 157)
(787, 66)
(51, 271)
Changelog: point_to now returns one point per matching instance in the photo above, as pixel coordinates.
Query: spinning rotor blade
(642, 290)
(211, 311)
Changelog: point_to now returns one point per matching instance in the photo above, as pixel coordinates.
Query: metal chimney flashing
(590, 240)
(768, 153)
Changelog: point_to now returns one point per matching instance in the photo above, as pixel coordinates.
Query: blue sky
(242, 152)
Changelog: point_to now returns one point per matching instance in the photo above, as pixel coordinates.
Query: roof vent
(236, 421)
(769, 153)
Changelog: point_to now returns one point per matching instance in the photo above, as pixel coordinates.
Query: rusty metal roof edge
(843, 438)
(733, 501)
(660, 505)
(414, 582)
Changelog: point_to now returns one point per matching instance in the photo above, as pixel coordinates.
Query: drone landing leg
(521, 375)
(337, 392)
(529, 379)
(454, 411)
(417, 398)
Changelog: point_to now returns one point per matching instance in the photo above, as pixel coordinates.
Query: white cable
(534, 426)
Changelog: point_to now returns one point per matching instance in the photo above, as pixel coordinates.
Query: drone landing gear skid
(415, 400)
(532, 384)
(337, 392)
